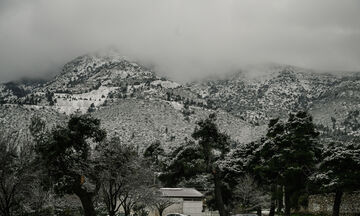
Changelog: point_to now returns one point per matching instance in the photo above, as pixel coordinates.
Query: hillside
(132, 102)
(282, 89)
(141, 107)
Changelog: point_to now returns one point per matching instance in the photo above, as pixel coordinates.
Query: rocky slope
(141, 107)
(132, 102)
(278, 90)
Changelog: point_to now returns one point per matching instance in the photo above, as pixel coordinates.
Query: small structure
(187, 201)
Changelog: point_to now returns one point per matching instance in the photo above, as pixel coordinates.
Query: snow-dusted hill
(279, 90)
(141, 107)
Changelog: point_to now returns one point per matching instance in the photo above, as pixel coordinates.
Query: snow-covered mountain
(278, 90)
(141, 107)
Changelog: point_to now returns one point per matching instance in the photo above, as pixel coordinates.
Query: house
(187, 201)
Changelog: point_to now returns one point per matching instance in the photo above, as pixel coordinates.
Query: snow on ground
(176, 105)
(70, 103)
(165, 84)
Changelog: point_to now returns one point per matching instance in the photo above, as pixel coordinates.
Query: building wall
(193, 208)
(350, 204)
(177, 207)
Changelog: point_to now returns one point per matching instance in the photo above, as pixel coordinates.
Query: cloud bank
(182, 38)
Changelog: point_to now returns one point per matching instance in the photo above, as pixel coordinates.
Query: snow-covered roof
(180, 192)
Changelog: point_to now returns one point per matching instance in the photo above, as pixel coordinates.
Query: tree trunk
(272, 206)
(86, 201)
(272, 200)
(218, 196)
(287, 202)
(337, 203)
(161, 212)
(280, 199)
(258, 211)
(127, 210)
(111, 213)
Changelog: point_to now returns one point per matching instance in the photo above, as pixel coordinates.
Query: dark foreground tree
(249, 190)
(201, 157)
(65, 155)
(339, 171)
(289, 155)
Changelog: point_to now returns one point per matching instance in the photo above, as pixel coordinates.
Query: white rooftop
(180, 192)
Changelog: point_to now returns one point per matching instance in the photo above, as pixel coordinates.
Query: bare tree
(160, 203)
(138, 189)
(125, 177)
(114, 160)
(249, 195)
(16, 176)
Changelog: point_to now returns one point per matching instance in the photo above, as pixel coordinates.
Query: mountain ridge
(114, 88)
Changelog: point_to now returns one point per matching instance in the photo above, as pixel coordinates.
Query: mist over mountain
(181, 39)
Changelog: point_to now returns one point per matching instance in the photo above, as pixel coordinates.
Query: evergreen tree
(154, 152)
(289, 155)
(239, 165)
(66, 157)
(92, 108)
(201, 157)
(339, 171)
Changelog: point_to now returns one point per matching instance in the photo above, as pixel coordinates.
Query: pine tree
(289, 155)
(154, 152)
(201, 157)
(339, 171)
(65, 155)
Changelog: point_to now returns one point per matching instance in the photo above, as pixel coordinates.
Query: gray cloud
(183, 38)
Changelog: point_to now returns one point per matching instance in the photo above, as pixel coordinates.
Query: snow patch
(176, 105)
(165, 84)
(70, 103)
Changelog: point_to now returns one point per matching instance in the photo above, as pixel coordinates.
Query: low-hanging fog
(182, 38)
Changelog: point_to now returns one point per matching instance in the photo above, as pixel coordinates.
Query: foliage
(92, 108)
(238, 168)
(201, 157)
(16, 90)
(65, 155)
(339, 171)
(289, 154)
(340, 167)
(352, 121)
(155, 152)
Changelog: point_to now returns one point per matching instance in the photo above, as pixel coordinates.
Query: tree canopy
(65, 154)
(289, 155)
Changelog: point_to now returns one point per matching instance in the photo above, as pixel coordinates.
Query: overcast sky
(180, 37)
